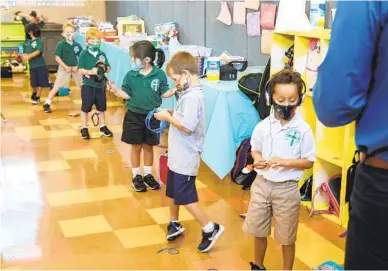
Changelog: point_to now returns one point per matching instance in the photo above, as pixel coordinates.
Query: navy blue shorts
(135, 131)
(181, 188)
(39, 77)
(93, 96)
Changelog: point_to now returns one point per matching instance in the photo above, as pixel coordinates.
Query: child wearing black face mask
(282, 148)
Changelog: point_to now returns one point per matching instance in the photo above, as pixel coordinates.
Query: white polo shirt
(294, 140)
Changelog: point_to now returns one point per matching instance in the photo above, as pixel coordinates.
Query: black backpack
(253, 86)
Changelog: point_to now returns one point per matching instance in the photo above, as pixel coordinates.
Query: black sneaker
(105, 131)
(174, 230)
(34, 98)
(256, 267)
(46, 108)
(38, 99)
(209, 239)
(138, 184)
(85, 133)
(151, 182)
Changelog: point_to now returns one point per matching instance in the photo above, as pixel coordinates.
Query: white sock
(84, 127)
(174, 221)
(48, 102)
(102, 125)
(209, 227)
(136, 171)
(147, 170)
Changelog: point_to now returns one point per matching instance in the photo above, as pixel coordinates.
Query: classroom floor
(67, 202)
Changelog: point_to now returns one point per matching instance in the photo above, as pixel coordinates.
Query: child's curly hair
(287, 76)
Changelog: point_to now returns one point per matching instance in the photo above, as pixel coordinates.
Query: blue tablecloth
(230, 115)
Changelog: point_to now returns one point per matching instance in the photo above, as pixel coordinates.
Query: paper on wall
(239, 13)
(292, 16)
(225, 16)
(253, 24)
(266, 42)
(252, 4)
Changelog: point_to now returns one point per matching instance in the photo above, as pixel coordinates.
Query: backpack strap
(318, 212)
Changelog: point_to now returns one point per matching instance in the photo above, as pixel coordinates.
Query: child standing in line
(185, 143)
(93, 89)
(143, 87)
(39, 76)
(282, 148)
(66, 55)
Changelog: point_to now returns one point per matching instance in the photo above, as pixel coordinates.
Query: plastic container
(21, 48)
(213, 69)
(317, 13)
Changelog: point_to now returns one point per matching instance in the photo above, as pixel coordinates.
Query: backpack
(332, 189)
(253, 85)
(243, 158)
(306, 190)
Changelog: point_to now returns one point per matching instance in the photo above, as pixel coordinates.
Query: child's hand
(162, 115)
(25, 57)
(93, 71)
(276, 162)
(260, 164)
(68, 69)
(74, 69)
(112, 87)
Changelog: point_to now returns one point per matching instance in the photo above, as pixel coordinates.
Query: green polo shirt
(145, 91)
(88, 61)
(32, 46)
(26, 22)
(68, 53)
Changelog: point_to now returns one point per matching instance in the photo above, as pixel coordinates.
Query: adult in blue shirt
(352, 85)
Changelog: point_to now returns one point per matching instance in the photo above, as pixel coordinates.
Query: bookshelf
(335, 146)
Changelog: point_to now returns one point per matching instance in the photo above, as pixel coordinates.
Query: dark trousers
(367, 238)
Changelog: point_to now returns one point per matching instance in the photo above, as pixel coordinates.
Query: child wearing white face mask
(66, 55)
(143, 87)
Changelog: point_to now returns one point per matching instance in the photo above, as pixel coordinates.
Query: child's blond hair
(93, 33)
(181, 61)
(66, 25)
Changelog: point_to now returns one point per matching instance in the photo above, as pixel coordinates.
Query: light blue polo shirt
(184, 151)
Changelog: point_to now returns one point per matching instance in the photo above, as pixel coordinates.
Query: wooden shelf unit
(335, 146)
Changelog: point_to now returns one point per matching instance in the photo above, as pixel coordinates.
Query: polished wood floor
(66, 202)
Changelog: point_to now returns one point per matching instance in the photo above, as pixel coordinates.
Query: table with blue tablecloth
(230, 115)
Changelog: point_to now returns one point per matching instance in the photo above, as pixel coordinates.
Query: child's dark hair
(34, 14)
(143, 49)
(287, 76)
(34, 28)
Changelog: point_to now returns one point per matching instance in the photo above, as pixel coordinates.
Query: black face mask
(284, 111)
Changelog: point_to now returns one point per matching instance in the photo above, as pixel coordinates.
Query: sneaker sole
(102, 134)
(34, 102)
(138, 190)
(153, 188)
(218, 235)
(174, 236)
(47, 111)
(86, 138)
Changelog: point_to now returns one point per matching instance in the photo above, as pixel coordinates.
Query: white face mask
(69, 36)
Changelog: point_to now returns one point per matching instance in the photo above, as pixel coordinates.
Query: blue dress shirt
(352, 81)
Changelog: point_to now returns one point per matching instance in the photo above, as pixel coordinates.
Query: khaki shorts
(63, 78)
(280, 200)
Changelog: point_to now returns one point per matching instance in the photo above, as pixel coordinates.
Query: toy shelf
(12, 35)
(335, 146)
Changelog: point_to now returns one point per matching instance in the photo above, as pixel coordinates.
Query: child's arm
(301, 164)
(259, 162)
(171, 92)
(62, 64)
(117, 91)
(30, 56)
(256, 143)
(166, 116)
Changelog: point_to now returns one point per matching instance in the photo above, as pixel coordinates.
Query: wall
(59, 14)
(197, 24)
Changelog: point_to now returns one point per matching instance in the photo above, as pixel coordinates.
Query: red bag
(268, 15)
(163, 168)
